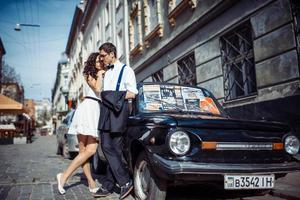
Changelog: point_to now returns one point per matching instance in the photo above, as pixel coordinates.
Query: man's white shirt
(128, 81)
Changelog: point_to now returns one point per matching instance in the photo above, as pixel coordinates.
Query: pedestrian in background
(85, 123)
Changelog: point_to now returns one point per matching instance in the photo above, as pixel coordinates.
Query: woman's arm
(96, 85)
(92, 82)
(99, 83)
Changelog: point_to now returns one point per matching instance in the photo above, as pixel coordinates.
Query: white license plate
(234, 182)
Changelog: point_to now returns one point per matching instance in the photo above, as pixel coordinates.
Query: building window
(176, 7)
(117, 3)
(106, 15)
(152, 11)
(296, 20)
(173, 4)
(187, 70)
(91, 43)
(135, 30)
(238, 62)
(158, 76)
(98, 32)
(153, 20)
(120, 44)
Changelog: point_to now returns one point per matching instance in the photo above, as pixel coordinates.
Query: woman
(85, 123)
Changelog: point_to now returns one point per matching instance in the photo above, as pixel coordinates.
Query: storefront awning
(10, 106)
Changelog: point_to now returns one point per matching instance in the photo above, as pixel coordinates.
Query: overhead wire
(24, 31)
(39, 32)
(33, 36)
(37, 42)
(23, 35)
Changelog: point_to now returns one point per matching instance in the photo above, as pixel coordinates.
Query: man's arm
(130, 83)
(129, 95)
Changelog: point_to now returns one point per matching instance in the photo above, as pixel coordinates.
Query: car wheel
(73, 155)
(146, 184)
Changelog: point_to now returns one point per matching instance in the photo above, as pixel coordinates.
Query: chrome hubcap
(143, 180)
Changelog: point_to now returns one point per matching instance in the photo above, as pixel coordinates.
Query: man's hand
(129, 95)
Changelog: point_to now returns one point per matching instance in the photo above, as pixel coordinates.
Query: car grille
(241, 156)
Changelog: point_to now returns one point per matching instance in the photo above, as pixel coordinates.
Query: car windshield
(176, 98)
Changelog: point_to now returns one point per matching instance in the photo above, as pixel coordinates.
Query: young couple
(105, 76)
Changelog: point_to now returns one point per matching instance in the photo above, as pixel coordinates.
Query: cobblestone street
(27, 171)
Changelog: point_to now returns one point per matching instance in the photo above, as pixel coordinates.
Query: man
(119, 80)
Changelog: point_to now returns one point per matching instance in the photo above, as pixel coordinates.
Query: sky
(35, 51)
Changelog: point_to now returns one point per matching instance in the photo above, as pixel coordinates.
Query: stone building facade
(2, 52)
(245, 52)
(60, 89)
(29, 106)
(94, 22)
(74, 53)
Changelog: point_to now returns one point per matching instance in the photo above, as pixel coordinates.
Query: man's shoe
(126, 189)
(101, 192)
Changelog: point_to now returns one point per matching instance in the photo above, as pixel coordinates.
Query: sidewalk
(288, 187)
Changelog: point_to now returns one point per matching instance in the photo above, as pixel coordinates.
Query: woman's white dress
(86, 117)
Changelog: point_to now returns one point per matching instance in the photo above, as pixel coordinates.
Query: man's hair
(108, 48)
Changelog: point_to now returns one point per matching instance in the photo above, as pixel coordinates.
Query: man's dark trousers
(112, 146)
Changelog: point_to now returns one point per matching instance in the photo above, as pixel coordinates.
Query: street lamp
(18, 26)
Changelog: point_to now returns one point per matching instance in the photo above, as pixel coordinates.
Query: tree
(9, 75)
(44, 116)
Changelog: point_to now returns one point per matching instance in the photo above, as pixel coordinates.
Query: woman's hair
(90, 66)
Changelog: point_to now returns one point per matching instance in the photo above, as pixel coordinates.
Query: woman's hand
(100, 73)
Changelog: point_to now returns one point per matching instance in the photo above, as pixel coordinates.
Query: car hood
(228, 123)
(210, 122)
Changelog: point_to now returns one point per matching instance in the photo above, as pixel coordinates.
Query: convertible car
(181, 135)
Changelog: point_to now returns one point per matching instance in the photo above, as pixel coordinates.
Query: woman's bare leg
(86, 166)
(80, 159)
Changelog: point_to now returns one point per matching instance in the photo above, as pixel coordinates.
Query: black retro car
(181, 135)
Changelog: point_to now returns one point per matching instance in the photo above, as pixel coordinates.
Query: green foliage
(44, 116)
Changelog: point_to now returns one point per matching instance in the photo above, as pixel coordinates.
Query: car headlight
(179, 143)
(291, 144)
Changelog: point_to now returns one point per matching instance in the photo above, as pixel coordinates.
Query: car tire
(146, 184)
(73, 155)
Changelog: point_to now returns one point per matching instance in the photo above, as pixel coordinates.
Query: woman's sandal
(61, 190)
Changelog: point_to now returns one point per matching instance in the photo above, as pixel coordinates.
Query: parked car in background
(180, 135)
(46, 130)
(67, 144)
